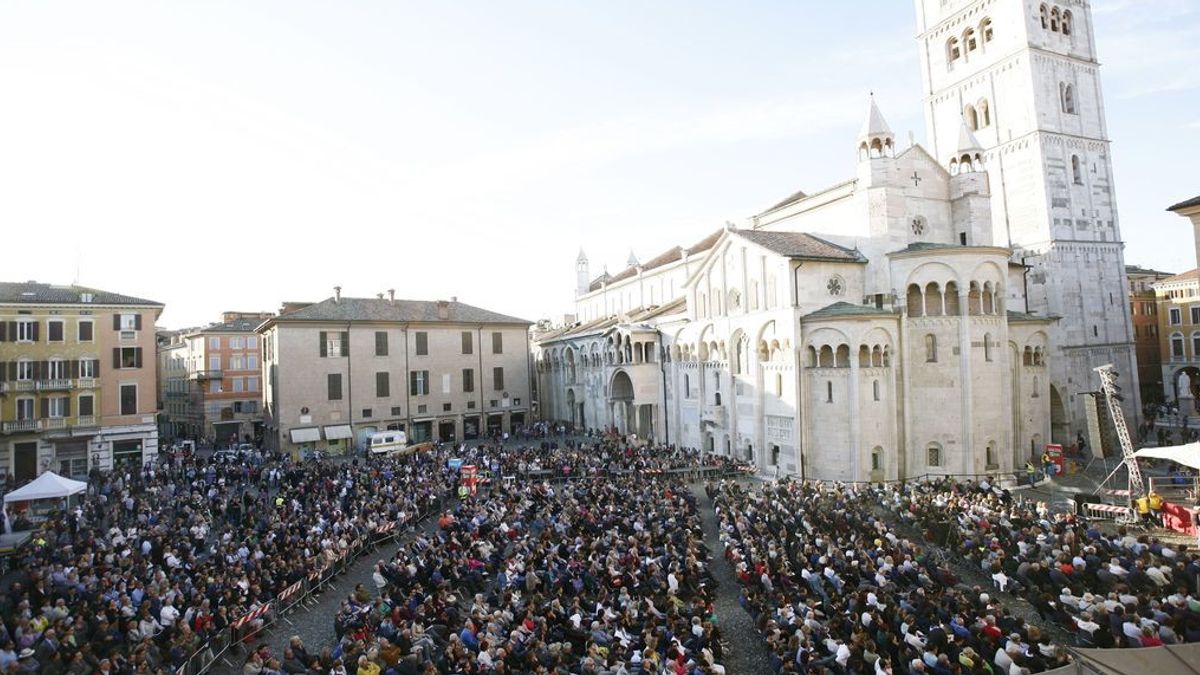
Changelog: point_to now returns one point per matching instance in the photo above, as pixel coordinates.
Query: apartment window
(239, 385)
(445, 383)
(251, 384)
(1195, 345)
(250, 406)
(422, 339)
(54, 331)
(214, 386)
(1195, 314)
(470, 405)
(214, 363)
(129, 397)
(251, 362)
(127, 357)
(397, 411)
(1177, 346)
(214, 343)
(127, 322)
(497, 342)
(24, 409)
(24, 370)
(383, 385)
(87, 405)
(497, 378)
(56, 369)
(252, 342)
(235, 362)
(88, 367)
(367, 413)
(468, 343)
(381, 343)
(86, 331)
(334, 386)
(418, 382)
(446, 407)
(237, 343)
(468, 379)
(1176, 316)
(422, 409)
(27, 330)
(58, 407)
(335, 343)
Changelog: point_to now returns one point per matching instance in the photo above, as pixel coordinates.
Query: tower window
(1044, 12)
(953, 51)
(1066, 22)
(985, 29)
(971, 117)
(984, 113)
(1054, 20)
(1076, 172)
(1068, 98)
(828, 391)
(970, 43)
(931, 348)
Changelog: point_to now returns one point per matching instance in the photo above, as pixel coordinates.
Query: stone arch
(989, 298)
(916, 301)
(934, 301)
(842, 356)
(1059, 424)
(825, 357)
(813, 359)
(864, 356)
(620, 387)
(952, 304)
(974, 300)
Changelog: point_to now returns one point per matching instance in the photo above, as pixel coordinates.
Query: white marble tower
(1023, 76)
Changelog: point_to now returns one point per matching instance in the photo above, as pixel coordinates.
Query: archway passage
(620, 398)
(1060, 427)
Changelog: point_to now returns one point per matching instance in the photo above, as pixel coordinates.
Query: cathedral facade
(933, 314)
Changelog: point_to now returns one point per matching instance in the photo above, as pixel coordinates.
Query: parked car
(225, 456)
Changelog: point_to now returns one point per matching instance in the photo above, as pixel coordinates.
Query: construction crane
(1109, 388)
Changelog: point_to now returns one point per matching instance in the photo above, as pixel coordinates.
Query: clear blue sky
(231, 155)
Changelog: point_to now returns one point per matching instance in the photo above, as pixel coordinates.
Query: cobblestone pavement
(314, 623)
(747, 653)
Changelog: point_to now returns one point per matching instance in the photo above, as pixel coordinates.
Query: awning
(49, 485)
(309, 435)
(1187, 455)
(338, 431)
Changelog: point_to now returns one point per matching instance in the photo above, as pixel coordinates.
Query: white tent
(1187, 455)
(49, 485)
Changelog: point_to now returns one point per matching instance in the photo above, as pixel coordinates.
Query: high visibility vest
(1143, 505)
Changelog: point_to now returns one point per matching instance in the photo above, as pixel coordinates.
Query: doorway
(24, 461)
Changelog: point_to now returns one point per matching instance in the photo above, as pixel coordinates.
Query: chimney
(392, 294)
(454, 298)
(443, 310)
(337, 293)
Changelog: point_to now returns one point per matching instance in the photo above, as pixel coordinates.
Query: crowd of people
(157, 561)
(835, 585)
(1109, 590)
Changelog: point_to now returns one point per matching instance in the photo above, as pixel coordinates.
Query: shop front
(422, 431)
(446, 431)
(127, 453)
(495, 423)
(339, 438)
(305, 441)
(470, 427)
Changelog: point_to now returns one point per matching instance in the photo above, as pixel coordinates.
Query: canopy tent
(1181, 658)
(1187, 455)
(49, 485)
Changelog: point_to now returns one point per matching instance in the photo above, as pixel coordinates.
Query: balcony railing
(86, 421)
(18, 426)
(86, 383)
(714, 414)
(56, 384)
(19, 385)
(54, 423)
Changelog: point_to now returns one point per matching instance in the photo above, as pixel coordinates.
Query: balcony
(53, 423)
(86, 421)
(57, 384)
(205, 375)
(714, 414)
(19, 426)
(87, 383)
(19, 385)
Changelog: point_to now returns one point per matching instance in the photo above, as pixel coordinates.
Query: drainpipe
(662, 367)
(349, 385)
(407, 387)
(1025, 282)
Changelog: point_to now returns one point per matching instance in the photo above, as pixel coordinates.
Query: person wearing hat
(26, 663)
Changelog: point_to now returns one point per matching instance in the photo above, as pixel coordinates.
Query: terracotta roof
(1131, 270)
(801, 245)
(239, 326)
(673, 254)
(1187, 203)
(379, 309)
(32, 292)
(1183, 276)
(791, 199)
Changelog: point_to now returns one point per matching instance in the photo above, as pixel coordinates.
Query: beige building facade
(77, 379)
(336, 371)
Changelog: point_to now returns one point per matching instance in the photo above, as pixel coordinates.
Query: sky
(226, 155)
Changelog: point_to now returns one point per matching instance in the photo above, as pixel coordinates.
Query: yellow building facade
(77, 380)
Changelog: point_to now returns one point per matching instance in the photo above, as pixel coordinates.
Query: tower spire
(875, 139)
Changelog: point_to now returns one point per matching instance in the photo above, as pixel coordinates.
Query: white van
(388, 443)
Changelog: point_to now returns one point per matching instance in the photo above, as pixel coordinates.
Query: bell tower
(1024, 78)
(582, 277)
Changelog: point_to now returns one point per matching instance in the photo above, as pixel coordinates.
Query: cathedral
(937, 313)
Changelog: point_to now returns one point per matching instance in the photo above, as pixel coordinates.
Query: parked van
(388, 443)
